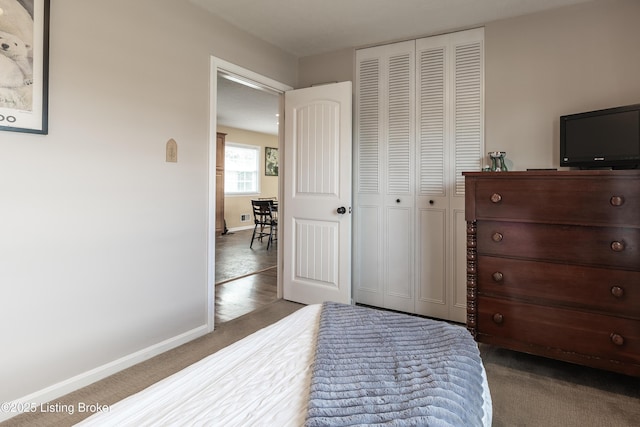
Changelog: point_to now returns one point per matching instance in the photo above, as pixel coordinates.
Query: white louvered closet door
(419, 124)
(385, 200)
(450, 140)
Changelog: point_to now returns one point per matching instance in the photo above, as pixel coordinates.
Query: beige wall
(103, 244)
(327, 68)
(542, 66)
(539, 67)
(234, 206)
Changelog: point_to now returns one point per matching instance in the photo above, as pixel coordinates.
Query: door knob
(342, 210)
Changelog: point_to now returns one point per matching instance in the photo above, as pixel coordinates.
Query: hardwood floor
(241, 296)
(234, 257)
(257, 285)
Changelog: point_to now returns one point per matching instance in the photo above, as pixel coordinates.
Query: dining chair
(266, 224)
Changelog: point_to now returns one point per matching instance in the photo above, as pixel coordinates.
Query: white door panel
(369, 283)
(432, 266)
(398, 293)
(317, 185)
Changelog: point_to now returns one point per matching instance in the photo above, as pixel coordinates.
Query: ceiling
(243, 107)
(311, 27)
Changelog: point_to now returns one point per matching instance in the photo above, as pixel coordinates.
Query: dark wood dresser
(553, 264)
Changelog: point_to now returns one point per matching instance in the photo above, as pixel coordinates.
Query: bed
(278, 377)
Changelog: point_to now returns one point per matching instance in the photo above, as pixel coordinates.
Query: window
(241, 169)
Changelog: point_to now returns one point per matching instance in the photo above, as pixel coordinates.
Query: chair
(274, 205)
(266, 224)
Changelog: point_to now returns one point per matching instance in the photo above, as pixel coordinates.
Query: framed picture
(271, 161)
(24, 65)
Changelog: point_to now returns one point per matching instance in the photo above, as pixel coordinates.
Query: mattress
(261, 380)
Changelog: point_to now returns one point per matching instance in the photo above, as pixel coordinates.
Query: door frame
(253, 78)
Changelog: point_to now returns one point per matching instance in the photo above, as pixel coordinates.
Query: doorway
(256, 281)
(256, 284)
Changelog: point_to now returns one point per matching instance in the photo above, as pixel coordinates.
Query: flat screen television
(601, 139)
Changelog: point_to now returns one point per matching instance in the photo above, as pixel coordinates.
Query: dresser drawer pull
(496, 198)
(617, 339)
(617, 201)
(497, 237)
(617, 246)
(499, 318)
(498, 276)
(617, 291)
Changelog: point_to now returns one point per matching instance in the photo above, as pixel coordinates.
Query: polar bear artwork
(16, 54)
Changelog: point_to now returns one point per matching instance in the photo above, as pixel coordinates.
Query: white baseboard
(245, 227)
(48, 394)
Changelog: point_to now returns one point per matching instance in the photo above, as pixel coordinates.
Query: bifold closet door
(385, 203)
(449, 103)
(419, 124)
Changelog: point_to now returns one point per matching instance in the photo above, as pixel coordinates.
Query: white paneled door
(316, 222)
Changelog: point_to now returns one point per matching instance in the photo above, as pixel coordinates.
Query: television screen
(604, 138)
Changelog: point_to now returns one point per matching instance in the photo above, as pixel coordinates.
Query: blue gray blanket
(375, 367)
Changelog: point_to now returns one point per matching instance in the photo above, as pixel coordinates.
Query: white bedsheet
(261, 380)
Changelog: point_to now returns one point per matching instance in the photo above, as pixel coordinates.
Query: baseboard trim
(245, 227)
(89, 377)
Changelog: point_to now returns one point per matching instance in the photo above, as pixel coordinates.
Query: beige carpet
(526, 390)
(534, 391)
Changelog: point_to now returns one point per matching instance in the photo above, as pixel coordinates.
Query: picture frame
(271, 161)
(24, 65)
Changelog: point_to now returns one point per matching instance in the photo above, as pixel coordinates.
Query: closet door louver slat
(368, 118)
(468, 126)
(432, 120)
(400, 125)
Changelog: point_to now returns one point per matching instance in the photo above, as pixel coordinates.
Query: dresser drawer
(598, 246)
(600, 336)
(605, 201)
(615, 292)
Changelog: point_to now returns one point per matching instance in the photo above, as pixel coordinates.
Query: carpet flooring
(534, 391)
(526, 390)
